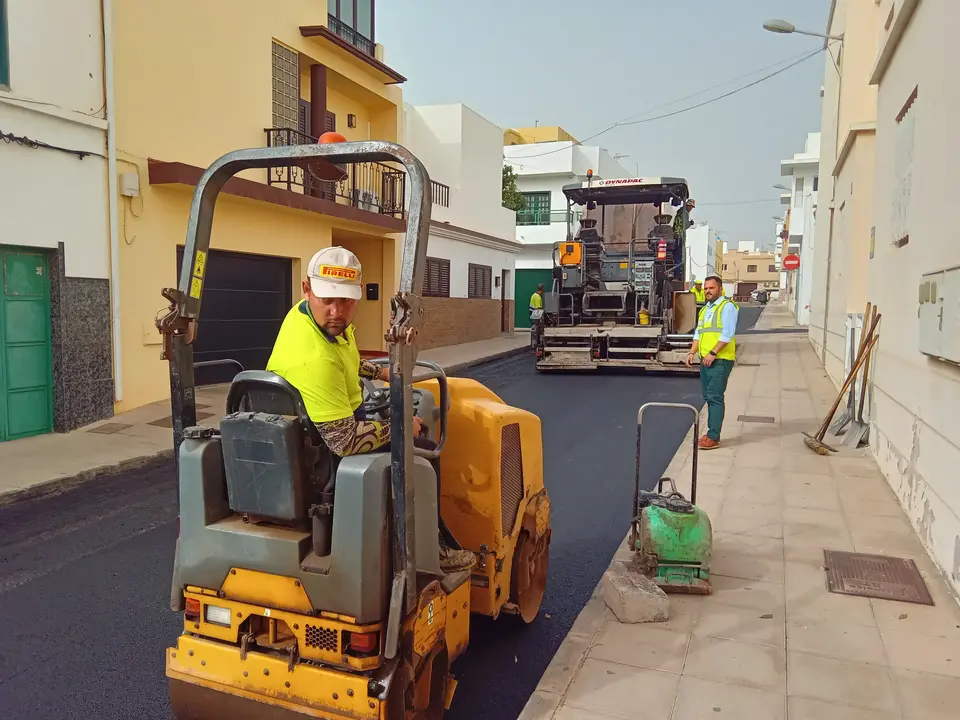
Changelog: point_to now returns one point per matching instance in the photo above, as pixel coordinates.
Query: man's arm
(350, 436)
(372, 371)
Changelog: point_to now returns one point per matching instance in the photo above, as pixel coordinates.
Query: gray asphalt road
(84, 576)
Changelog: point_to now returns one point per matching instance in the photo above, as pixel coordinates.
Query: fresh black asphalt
(85, 576)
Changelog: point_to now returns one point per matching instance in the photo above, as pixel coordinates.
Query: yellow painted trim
(265, 678)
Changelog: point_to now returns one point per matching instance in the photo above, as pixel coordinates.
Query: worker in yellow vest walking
(715, 341)
(536, 316)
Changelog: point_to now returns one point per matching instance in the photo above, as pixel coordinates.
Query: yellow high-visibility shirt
(325, 369)
(536, 302)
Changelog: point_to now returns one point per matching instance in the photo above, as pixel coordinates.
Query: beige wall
(900, 46)
(735, 267)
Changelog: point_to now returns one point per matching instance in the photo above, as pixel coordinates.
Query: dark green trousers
(713, 384)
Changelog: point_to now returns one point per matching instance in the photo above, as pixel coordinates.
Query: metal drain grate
(875, 576)
(168, 422)
(109, 428)
(756, 418)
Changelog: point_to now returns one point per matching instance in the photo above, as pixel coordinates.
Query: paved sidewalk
(54, 462)
(771, 643)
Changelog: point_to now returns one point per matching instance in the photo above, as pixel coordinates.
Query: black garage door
(245, 298)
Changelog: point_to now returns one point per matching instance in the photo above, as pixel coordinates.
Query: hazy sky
(585, 66)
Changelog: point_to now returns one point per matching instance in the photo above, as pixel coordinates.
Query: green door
(26, 375)
(526, 285)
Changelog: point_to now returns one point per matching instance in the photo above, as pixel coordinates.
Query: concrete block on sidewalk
(634, 598)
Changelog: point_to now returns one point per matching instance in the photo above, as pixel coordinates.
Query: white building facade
(701, 260)
(542, 170)
(803, 169)
(472, 252)
(55, 232)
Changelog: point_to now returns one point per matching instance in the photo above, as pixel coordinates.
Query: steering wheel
(375, 400)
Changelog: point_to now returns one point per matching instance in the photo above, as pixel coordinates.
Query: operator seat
(277, 467)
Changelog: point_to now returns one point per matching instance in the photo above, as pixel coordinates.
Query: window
(903, 171)
(353, 21)
(436, 278)
(798, 191)
(724, 266)
(536, 210)
(751, 268)
(4, 49)
(479, 281)
(286, 87)
(771, 268)
(816, 182)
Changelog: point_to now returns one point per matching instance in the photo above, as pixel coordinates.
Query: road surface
(85, 576)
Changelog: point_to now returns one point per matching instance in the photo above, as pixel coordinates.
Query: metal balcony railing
(364, 45)
(372, 186)
(546, 217)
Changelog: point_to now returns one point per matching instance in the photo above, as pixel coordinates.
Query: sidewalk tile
(928, 697)
(622, 690)
(559, 673)
(923, 653)
(750, 625)
(840, 640)
(757, 595)
(841, 681)
(808, 709)
(541, 706)
(942, 619)
(737, 662)
(571, 713)
(701, 699)
(642, 646)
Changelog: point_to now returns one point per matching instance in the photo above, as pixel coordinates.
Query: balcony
(372, 186)
(547, 217)
(345, 32)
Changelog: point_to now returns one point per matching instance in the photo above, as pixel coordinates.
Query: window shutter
(444, 279)
(305, 117)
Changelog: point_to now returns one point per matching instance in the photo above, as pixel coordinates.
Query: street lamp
(787, 28)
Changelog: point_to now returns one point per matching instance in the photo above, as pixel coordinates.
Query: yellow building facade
(193, 82)
(538, 134)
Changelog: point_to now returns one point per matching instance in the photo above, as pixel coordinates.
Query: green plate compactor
(671, 536)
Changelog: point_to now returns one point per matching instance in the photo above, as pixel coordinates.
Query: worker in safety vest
(536, 315)
(698, 292)
(715, 341)
(316, 351)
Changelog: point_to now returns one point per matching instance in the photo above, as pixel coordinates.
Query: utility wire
(803, 58)
(24, 141)
(739, 202)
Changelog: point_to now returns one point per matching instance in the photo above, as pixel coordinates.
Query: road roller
(309, 584)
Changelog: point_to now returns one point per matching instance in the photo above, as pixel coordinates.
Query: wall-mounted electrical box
(939, 314)
(130, 184)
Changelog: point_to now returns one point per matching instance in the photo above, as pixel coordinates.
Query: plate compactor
(671, 537)
(310, 585)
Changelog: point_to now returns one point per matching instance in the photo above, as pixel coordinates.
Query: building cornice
(853, 132)
(897, 28)
(453, 232)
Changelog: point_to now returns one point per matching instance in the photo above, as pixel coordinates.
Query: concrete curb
(60, 485)
(559, 675)
(63, 484)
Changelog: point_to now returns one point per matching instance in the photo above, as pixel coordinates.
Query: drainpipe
(113, 199)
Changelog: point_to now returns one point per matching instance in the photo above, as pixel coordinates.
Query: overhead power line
(626, 123)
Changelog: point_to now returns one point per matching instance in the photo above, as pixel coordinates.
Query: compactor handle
(435, 373)
(696, 447)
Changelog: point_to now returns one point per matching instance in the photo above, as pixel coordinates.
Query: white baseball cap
(335, 272)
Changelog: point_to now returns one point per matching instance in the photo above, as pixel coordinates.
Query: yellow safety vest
(711, 329)
(325, 369)
(536, 302)
(700, 294)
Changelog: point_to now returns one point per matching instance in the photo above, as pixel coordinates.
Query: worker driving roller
(316, 352)
(699, 292)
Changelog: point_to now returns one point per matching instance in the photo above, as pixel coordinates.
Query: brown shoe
(707, 443)
(454, 560)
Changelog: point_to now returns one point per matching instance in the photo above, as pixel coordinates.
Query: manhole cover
(756, 419)
(109, 428)
(746, 364)
(168, 422)
(876, 576)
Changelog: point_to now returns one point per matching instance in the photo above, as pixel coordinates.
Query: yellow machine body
(494, 502)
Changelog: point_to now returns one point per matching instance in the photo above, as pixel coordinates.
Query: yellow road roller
(309, 584)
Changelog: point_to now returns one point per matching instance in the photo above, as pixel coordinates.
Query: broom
(815, 442)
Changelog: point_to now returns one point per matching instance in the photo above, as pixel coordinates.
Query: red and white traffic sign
(791, 262)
